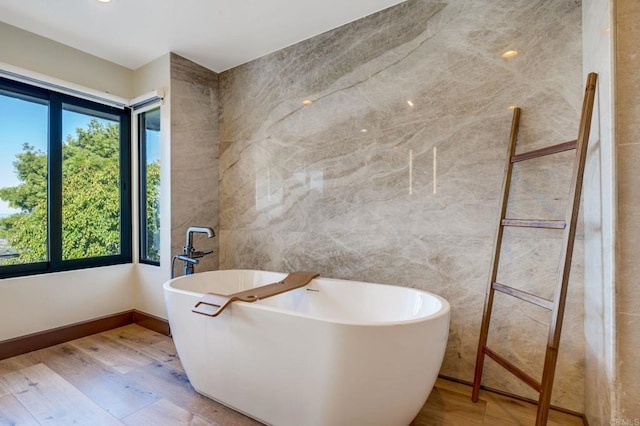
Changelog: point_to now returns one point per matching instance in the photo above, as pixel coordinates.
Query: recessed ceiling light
(307, 102)
(364, 130)
(509, 54)
(410, 103)
(104, 1)
(512, 107)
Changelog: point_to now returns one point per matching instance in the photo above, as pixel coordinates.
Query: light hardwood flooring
(132, 376)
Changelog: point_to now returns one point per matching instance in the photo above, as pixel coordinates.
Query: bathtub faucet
(190, 255)
(188, 246)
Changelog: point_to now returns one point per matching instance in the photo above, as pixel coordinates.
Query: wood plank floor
(132, 376)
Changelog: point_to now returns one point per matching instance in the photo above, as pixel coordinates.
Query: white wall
(149, 279)
(42, 302)
(39, 54)
(154, 75)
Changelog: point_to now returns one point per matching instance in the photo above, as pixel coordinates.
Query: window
(149, 137)
(23, 178)
(64, 182)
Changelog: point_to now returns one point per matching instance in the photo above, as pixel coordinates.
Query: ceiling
(218, 34)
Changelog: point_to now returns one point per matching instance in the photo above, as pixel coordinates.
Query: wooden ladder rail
(569, 226)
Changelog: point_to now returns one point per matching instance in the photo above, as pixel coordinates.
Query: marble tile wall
(628, 243)
(392, 172)
(194, 156)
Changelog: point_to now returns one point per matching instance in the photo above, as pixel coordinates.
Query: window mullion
(142, 184)
(125, 184)
(55, 182)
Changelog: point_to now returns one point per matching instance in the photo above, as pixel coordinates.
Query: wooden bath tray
(212, 304)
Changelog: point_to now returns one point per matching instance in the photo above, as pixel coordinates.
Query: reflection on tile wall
(194, 156)
(628, 244)
(375, 152)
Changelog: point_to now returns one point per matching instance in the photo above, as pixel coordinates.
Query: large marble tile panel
(436, 263)
(312, 65)
(401, 196)
(628, 268)
(627, 133)
(392, 173)
(532, 264)
(185, 70)
(627, 363)
(194, 155)
(628, 194)
(627, 79)
(540, 187)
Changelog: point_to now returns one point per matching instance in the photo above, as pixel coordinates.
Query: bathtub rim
(445, 307)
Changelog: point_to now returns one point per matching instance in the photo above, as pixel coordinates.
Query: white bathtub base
(296, 369)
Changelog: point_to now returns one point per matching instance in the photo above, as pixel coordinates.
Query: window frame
(142, 184)
(55, 262)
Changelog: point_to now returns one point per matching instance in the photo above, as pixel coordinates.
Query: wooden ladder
(556, 306)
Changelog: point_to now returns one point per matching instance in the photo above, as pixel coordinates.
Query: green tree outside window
(91, 197)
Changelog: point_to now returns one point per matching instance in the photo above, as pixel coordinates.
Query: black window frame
(142, 189)
(55, 262)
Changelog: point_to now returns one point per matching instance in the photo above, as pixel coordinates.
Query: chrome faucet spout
(190, 255)
(201, 230)
(188, 246)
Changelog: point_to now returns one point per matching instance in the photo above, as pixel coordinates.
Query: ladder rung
(513, 369)
(523, 295)
(533, 223)
(554, 149)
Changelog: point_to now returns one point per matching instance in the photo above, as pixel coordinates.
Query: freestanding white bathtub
(331, 353)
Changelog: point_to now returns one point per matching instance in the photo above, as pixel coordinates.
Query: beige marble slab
(627, 131)
(194, 156)
(627, 364)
